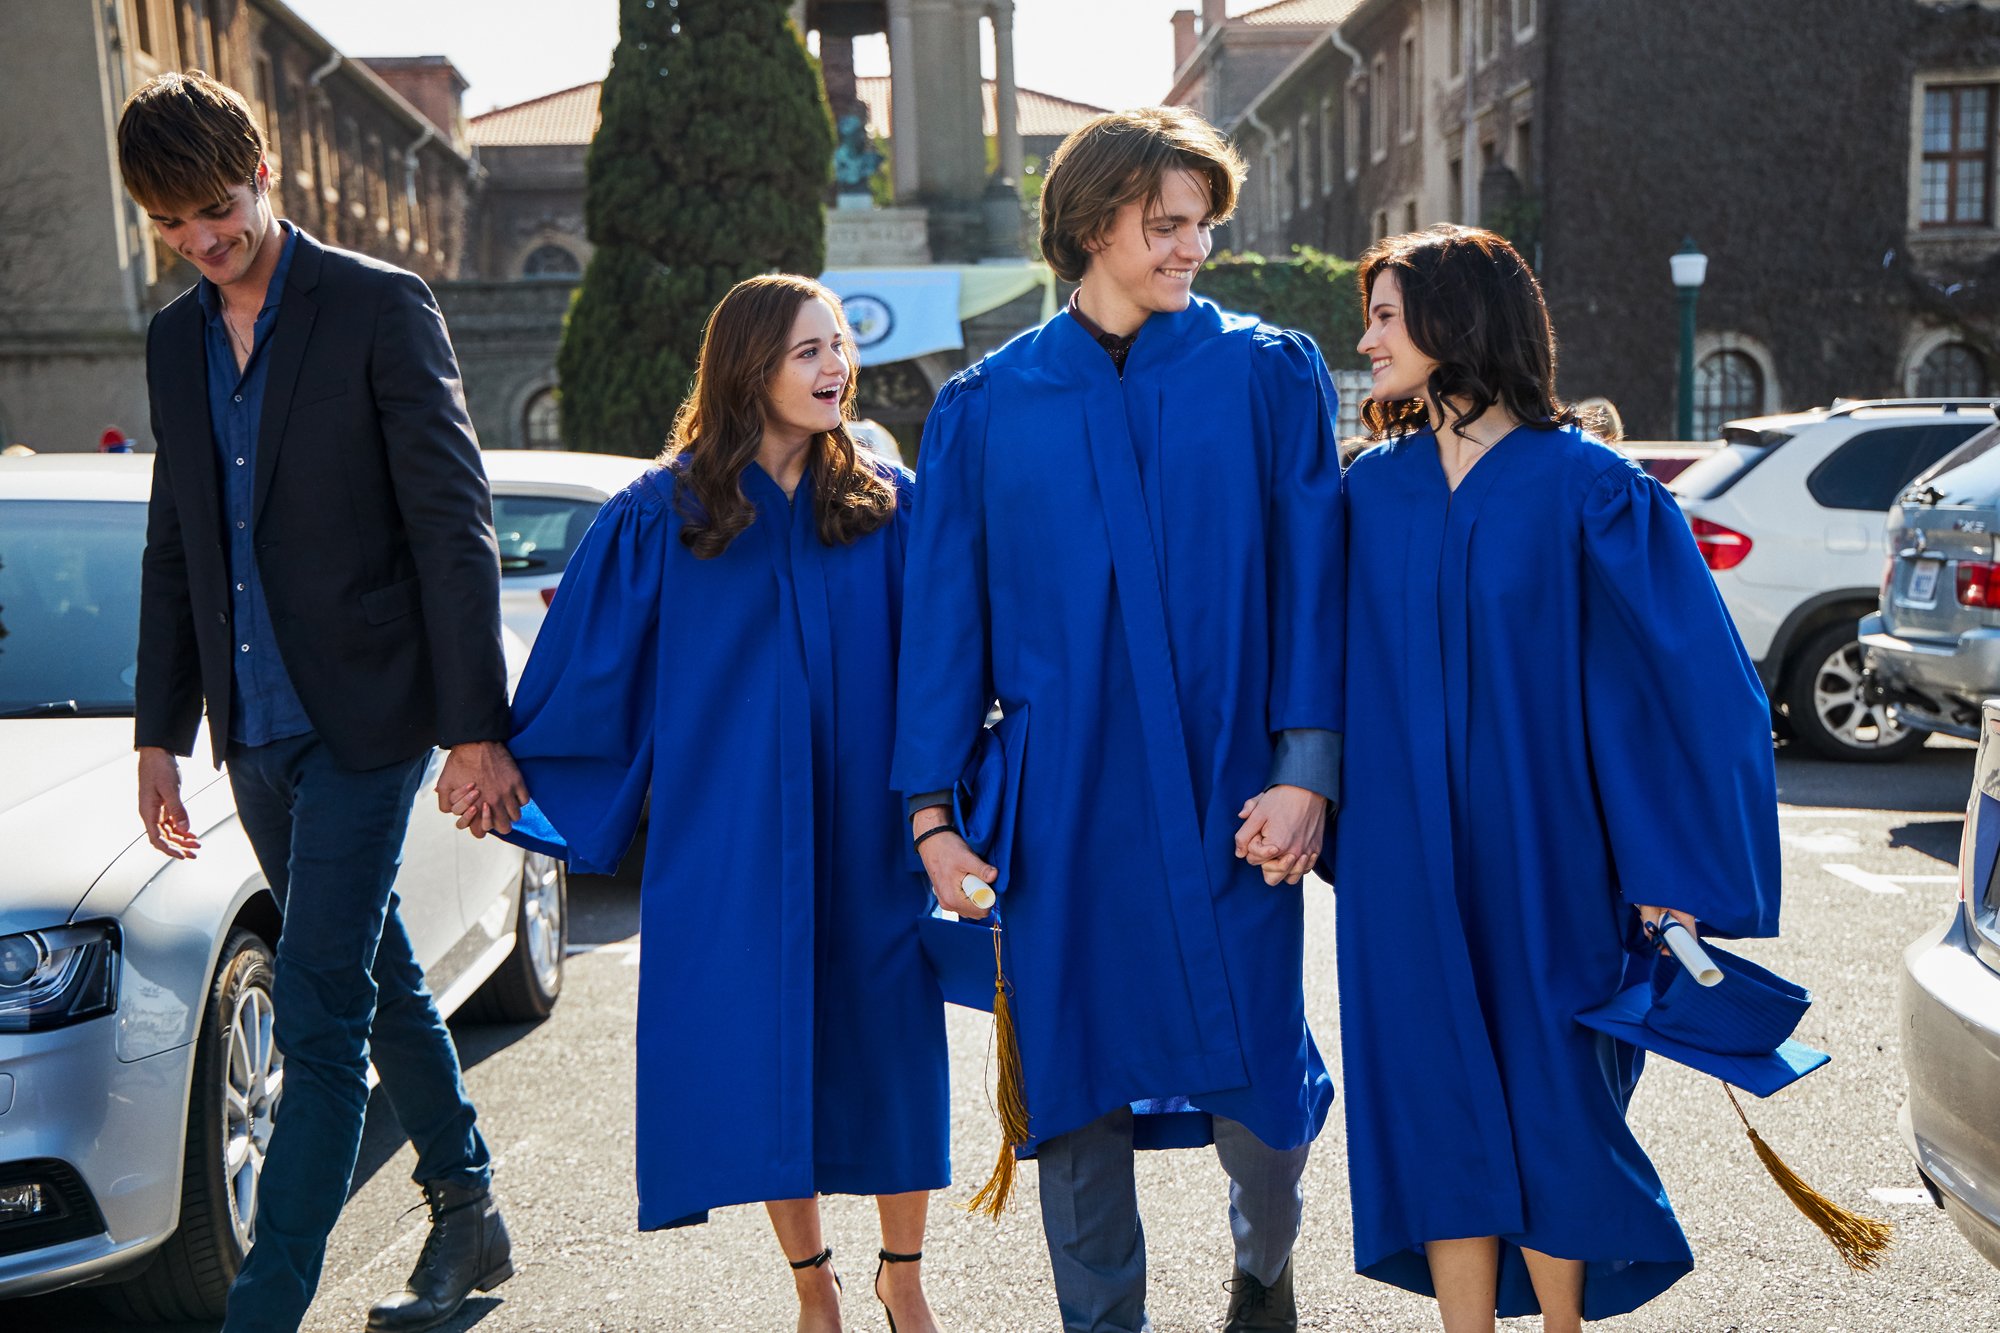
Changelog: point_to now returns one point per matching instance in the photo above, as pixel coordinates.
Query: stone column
(1006, 100)
(903, 98)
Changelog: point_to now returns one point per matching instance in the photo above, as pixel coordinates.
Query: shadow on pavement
(1934, 780)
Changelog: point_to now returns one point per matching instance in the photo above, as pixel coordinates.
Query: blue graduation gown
(1550, 719)
(790, 1037)
(1145, 573)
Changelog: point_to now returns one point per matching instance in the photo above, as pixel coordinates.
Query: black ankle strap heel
(821, 1260)
(883, 1258)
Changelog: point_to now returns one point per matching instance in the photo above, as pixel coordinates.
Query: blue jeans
(347, 987)
(1097, 1244)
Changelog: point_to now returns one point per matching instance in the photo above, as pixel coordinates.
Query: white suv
(1789, 512)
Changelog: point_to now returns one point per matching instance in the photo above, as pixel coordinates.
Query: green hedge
(1312, 291)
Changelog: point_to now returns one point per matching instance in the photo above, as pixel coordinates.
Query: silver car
(1933, 646)
(1950, 1002)
(137, 1075)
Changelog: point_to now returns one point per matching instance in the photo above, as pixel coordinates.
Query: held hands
(948, 860)
(160, 808)
(482, 787)
(1281, 832)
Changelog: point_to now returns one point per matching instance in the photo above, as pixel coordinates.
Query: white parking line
(1901, 1196)
(1875, 883)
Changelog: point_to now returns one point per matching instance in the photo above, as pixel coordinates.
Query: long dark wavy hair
(1471, 304)
(721, 423)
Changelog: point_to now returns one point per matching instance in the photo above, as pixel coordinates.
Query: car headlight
(51, 978)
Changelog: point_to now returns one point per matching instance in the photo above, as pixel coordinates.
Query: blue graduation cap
(1739, 1029)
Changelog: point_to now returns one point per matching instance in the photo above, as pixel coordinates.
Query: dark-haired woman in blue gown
(1553, 735)
(725, 636)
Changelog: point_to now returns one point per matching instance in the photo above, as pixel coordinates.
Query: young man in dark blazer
(321, 571)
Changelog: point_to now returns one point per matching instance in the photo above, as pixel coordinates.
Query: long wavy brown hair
(1471, 304)
(721, 423)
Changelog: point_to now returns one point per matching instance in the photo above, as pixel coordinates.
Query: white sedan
(543, 503)
(137, 1075)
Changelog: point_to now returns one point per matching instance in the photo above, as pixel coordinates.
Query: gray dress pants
(1097, 1244)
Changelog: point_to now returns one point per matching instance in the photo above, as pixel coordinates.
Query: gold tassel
(993, 1195)
(1860, 1240)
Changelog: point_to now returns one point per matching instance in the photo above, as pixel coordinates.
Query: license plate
(1923, 583)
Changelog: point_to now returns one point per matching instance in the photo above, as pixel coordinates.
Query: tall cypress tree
(711, 164)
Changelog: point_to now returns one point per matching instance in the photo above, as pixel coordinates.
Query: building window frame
(1524, 20)
(1457, 38)
(1288, 193)
(1326, 163)
(1709, 345)
(1270, 209)
(264, 85)
(1378, 109)
(1356, 101)
(1983, 160)
(541, 419)
(1486, 32)
(146, 29)
(1302, 158)
(1408, 69)
(1928, 342)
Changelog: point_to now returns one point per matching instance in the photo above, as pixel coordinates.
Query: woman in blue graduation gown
(1553, 733)
(725, 636)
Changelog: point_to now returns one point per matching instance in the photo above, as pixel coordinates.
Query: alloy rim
(1844, 709)
(541, 917)
(253, 1077)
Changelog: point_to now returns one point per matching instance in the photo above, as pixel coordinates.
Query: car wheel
(1831, 712)
(238, 1077)
(525, 987)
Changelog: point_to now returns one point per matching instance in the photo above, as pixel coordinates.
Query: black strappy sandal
(821, 1260)
(886, 1257)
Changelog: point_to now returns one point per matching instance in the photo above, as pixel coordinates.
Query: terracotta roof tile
(566, 117)
(570, 116)
(1041, 114)
(1322, 12)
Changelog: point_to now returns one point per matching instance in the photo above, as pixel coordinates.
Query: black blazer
(373, 524)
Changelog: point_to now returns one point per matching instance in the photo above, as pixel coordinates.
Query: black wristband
(945, 827)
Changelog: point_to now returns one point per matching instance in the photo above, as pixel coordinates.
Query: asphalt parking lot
(1869, 856)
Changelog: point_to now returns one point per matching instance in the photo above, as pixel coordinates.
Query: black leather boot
(467, 1251)
(1256, 1308)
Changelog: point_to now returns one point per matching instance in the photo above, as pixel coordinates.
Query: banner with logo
(897, 314)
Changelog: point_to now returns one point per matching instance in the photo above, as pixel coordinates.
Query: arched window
(1727, 385)
(550, 261)
(1952, 370)
(541, 424)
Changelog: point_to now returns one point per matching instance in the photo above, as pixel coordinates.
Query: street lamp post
(1690, 267)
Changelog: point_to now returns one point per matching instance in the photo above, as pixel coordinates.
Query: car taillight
(1978, 583)
(548, 596)
(1721, 548)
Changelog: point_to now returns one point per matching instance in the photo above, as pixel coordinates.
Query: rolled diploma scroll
(977, 891)
(1685, 947)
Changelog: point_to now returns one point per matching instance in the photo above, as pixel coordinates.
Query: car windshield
(1714, 473)
(538, 532)
(1973, 448)
(69, 606)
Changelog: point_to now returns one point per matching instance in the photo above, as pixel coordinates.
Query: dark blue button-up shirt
(263, 707)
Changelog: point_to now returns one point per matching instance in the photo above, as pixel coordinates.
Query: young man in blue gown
(1129, 535)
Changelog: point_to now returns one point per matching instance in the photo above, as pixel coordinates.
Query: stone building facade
(1837, 166)
(368, 158)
